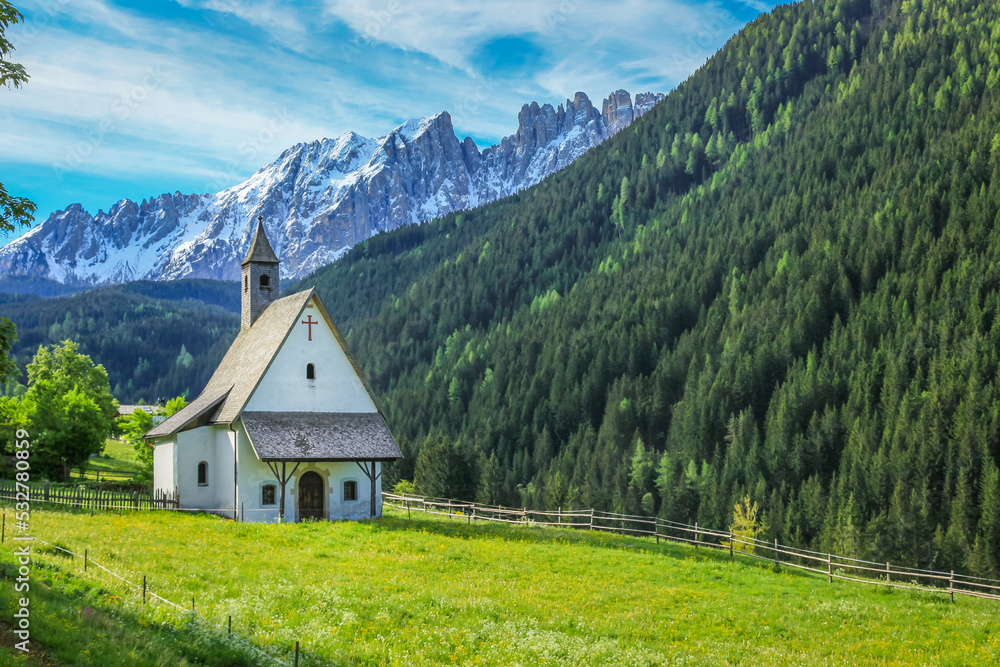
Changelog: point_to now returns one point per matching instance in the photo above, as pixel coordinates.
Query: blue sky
(133, 99)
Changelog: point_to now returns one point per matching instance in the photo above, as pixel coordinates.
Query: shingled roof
(241, 370)
(260, 248)
(320, 436)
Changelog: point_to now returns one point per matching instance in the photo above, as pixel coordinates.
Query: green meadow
(434, 590)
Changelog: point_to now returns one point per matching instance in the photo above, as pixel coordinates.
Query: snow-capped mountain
(318, 199)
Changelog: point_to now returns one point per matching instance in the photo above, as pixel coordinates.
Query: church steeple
(260, 276)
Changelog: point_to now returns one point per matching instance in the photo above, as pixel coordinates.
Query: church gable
(286, 395)
(311, 371)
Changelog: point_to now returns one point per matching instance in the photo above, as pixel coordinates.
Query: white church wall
(224, 482)
(336, 388)
(338, 507)
(193, 447)
(164, 466)
(253, 475)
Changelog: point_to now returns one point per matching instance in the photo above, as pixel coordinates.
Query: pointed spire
(260, 248)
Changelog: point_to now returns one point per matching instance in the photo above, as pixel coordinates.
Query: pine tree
(491, 487)
(433, 468)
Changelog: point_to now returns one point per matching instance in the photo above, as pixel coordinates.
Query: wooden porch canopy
(279, 438)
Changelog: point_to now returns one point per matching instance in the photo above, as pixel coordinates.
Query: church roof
(260, 247)
(320, 436)
(241, 370)
(194, 413)
(282, 435)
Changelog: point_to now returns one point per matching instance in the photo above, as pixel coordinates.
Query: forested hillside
(782, 281)
(156, 340)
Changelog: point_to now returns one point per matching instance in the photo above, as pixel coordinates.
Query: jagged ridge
(318, 199)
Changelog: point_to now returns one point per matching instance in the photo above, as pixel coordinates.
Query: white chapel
(287, 426)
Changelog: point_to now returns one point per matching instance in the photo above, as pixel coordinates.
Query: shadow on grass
(461, 528)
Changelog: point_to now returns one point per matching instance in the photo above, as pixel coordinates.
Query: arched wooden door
(310, 496)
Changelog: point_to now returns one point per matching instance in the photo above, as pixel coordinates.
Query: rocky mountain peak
(317, 198)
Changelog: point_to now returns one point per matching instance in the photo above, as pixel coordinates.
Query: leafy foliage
(14, 211)
(134, 426)
(8, 336)
(11, 74)
(67, 409)
(746, 523)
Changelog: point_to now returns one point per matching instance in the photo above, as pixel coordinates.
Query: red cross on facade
(309, 322)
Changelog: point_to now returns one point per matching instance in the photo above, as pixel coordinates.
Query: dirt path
(35, 658)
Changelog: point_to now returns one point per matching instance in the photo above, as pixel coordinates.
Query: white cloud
(163, 96)
(443, 29)
(577, 30)
(282, 22)
(100, 94)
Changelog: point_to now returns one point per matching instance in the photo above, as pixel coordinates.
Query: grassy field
(437, 591)
(117, 456)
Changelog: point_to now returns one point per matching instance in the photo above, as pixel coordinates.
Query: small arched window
(265, 281)
(350, 490)
(310, 372)
(246, 283)
(203, 474)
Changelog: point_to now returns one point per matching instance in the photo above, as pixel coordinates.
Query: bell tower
(260, 277)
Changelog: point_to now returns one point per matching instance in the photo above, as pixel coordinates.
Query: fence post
(473, 514)
(951, 586)
(85, 559)
(730, 542)
(45, 492)
(192, 604)
(887, 572)
(591, 519)
(696, 535)
(407, 510)
(230, 625)
(144, 589)
(829, 570)
(470, 515)
(3, 528)
(656, 529)
(776, 551)
(296, 654)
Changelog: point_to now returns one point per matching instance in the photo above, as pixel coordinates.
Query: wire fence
(145, 590)
(831, 565)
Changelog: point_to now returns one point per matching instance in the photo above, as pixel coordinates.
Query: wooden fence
(828, 565)
(97, 499)
(98, 475)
